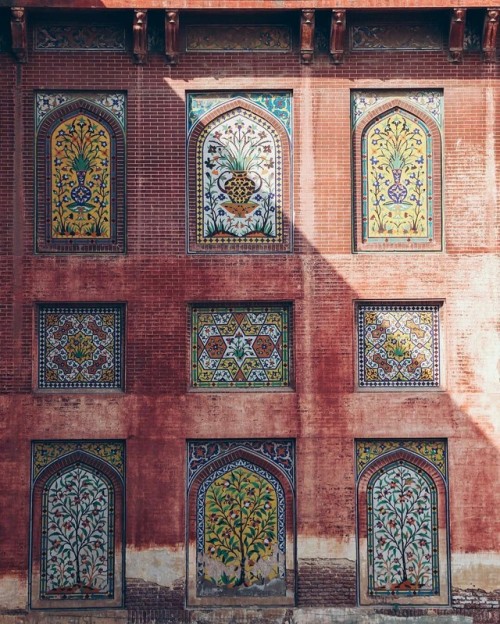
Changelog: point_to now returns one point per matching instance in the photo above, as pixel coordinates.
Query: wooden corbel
(18, 31)
(307, 36)
(457, 32)
(490, 31)
(172, 36)
(337, 36)
(140, 36)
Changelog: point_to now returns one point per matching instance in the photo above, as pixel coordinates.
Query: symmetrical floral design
(396, 36)
(102, 37)
(279, 452)
(240, 346)
(432, 450)
(239, 160)
(243, 539)
(402, 531)
(241, 37)
(77, 494)
(80, 346)
(397, 170)
(77, 522)
(397, 185)
(80, 167)
(398, 345)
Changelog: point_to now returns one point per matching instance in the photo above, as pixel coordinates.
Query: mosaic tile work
(80, 346)
(432, 450)
(238, 37)
(241, 532)
(80, 166)
(44, 453)
(398, 346)
(396, 36)
(397, 181)
(240, 346)
(78, 524)
(402, 532)
(279, 452)
(79, 37)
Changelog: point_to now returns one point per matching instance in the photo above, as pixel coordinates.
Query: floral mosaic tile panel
(279, 452)
(429, 100)
(81, 168)
(240, 346)
(44, 453)
(396, 36)
(80, 347)
(239, 169)
(398, 346)
(433, 450)
(238, 37)
(102, 37)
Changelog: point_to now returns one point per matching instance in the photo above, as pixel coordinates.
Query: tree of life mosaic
(240, 346)
(402, 532)
(80, 171)
(241, 550)
(239, 149)
(80, 347)
(397, 169)
(77, 526)
(397, 183)
(398, 346)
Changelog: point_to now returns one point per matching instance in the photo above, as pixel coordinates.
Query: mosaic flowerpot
(397, 191)
(80, 194)
(240, 187)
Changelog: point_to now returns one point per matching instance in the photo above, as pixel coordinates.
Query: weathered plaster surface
(13, 592)
(476, 570)
(327, 548)
(163, 566)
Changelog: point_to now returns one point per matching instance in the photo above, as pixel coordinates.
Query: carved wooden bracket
(490, 31)
(457, 32)
(172, 36)
(140, 32)
(18, 31)
(337, 36)
(307, 36)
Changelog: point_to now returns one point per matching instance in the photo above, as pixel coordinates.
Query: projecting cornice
(240, 5)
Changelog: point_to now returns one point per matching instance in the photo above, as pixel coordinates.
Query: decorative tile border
(428, 100)
(80, 346)
(238, 38)
(433, 450)
(398, 345)
(45, 452)
(81, 37)
(396, 36)
(48, 101)
(240, 346)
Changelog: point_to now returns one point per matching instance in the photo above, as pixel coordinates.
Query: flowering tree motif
(241, 531)
(77, 520)
(241, 189)
(402, 514)
(80, 178)
(397, 187)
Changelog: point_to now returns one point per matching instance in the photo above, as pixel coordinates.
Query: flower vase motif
(241, 186)
(81, 195)
(397, 191)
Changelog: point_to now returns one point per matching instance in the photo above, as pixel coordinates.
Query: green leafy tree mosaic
(241, 530)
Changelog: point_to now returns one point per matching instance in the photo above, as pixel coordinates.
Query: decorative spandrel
(402, 532)
(77, 526)
(398, 346)
(240, 346)
(80, 172)
(397, 183)
(397, 170)
(433, 450)
(80, 347)
(239, 167)
(243, 540)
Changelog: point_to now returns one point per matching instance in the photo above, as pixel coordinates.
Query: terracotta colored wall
(157, 280)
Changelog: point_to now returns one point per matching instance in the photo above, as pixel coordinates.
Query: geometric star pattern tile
(80, 346)
(240, 346)
(398, 346)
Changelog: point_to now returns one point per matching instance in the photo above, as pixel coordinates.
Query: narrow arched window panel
(241, 524)
(402, 522)
(77, 541)
(397, 170)
(239, 154)
(80, 172)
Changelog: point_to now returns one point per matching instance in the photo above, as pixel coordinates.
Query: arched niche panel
(397, 177)
(241, 528)
(239, 157)
(77, 520)
(402, 528)
(81, 175)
